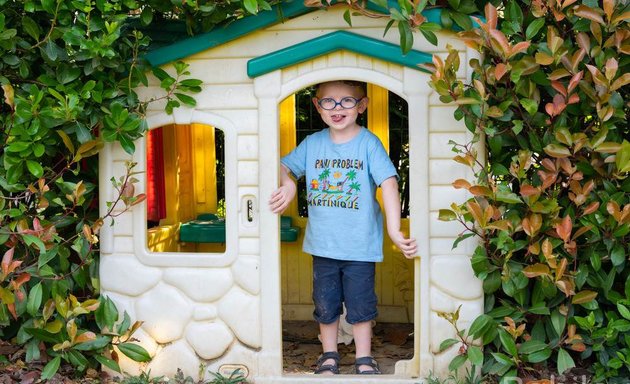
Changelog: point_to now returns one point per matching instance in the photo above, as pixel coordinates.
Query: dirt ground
(301, 348)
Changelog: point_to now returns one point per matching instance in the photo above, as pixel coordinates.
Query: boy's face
(339, 118)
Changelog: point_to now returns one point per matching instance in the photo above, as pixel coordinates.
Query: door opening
(393, 341)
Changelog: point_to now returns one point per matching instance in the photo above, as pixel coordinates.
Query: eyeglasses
(329, 103)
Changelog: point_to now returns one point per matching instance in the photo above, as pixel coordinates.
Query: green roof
(339, 40)
(224, 33)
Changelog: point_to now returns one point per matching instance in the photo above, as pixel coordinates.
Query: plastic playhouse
(206, 265)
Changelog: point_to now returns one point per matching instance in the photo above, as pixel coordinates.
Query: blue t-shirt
(344, 217)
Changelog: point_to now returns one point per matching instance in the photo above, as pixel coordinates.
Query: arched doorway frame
(270, 89)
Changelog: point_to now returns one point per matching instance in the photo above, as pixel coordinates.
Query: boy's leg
(362, 333)
(328, 334)
(361, 300)
(327, 297)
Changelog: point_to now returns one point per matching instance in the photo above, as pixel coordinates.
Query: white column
(417, 92)
(267, 90)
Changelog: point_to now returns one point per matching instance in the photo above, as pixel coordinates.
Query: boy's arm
(281, 197)
(391, 204)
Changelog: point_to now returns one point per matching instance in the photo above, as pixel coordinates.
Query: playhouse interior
(186, 213)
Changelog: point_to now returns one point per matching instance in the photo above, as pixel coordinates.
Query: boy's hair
(360, 85)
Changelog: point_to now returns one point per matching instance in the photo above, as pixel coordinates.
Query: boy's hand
(407, 246)
(281, 197)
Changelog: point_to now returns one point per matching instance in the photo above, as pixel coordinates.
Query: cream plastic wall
(224, 310)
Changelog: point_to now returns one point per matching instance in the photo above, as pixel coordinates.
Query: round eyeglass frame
(340, 103)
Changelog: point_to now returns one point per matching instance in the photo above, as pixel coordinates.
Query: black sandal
(321, 367)
(366, 360)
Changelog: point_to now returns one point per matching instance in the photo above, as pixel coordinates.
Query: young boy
(343, 165)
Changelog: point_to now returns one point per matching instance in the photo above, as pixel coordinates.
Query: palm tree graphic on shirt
(335, 186)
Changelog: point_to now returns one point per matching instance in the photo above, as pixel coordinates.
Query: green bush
(68, 71)
(548, 107)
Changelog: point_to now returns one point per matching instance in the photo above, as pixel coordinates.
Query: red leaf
(11, 308)
(575, 80)
(574, 98)
(500, 38)
(559, 87)
(584, 41)
(21, 279)
(519, 47)
(6, 260)
(592, 207)
(564, 228)
(500, 70)
(491, 15)
(588, 13)
(461, 183)
(528, 190)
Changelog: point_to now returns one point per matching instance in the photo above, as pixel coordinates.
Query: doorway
(393, 340)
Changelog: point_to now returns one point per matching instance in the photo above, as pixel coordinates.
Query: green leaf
(617, 255)
(565, 361)
(539, 356)
(558, 321)
(106, 314)
(622, 160)
(453, 3)
(68, 74)
(532, 346)
(508, 197)
(462, 20)
(531, 106)
(503, 359)
(514, 12)
(34, 168)
(17, 146)
(8, 34)
(49, 6)
(508, 342)
(43, 335)
(34, 299)
(480, 325)
(406, 37)
(251, 6)
(51, 368)
(534, 27)
(186, 99)
(51, 50)
(135, 352)
(623, 311)
(32, 350)
(77, 359)
(457, 362)
(475, 355)
(429, 35)
(92, 345)
(447, 344)
(388, 26)
(146, 16)
(447, 215)
(109, 363)
(31, 27)
(347, 17)
(30, 240)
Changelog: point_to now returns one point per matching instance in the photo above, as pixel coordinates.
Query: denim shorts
(338, 281)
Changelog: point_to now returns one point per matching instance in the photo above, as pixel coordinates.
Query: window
(186, 189)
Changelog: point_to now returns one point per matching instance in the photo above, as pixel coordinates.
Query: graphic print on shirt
(336, 184)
